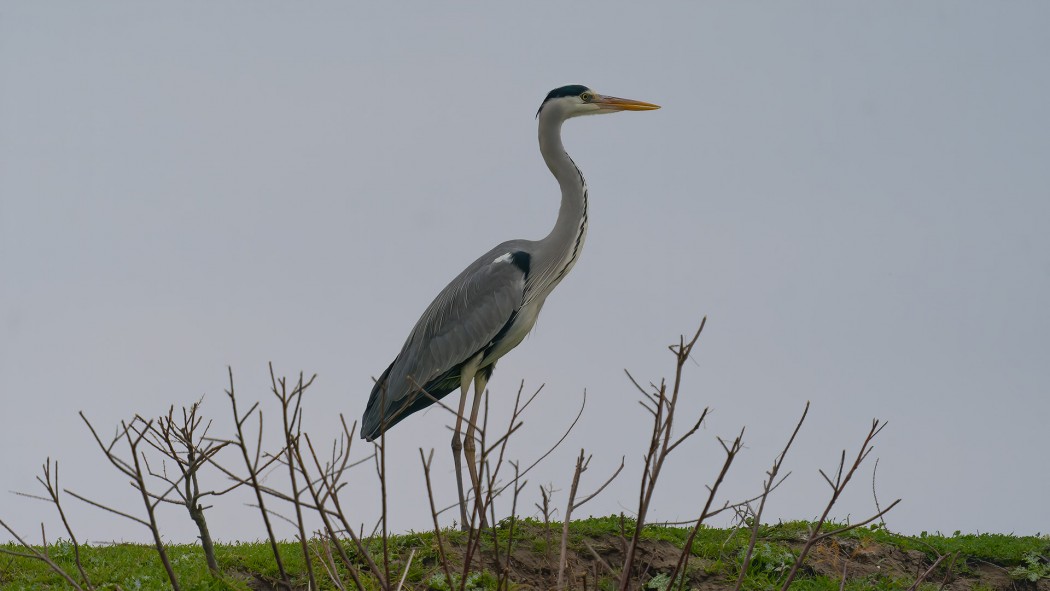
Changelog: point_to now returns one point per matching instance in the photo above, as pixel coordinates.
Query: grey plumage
(492, 305)
(465, 319)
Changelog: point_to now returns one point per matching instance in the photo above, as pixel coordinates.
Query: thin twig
(37, 555)
(253, 474)
(927, 572)
(292, 418)
(731, 452)
(443, 558)
(663, 412)
(837, 486)
(404, 574)
(766, 488)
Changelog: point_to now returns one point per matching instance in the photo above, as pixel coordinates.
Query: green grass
(718, 555)
(1000, 549)
(132, 566)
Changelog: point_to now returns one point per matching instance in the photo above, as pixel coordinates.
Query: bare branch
(253, 471)
(842, 479)
(37, 555)
(602, 487)
(927, 572)
(767, 487)
(104, 507)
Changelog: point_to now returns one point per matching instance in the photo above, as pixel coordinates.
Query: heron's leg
(469, 446)
(466, 376)
(457, 458)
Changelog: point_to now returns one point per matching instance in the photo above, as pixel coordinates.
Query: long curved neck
(557, 252)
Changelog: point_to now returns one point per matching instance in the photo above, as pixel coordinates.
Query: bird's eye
(587, 97)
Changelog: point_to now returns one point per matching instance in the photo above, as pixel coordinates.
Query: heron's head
(575, 100)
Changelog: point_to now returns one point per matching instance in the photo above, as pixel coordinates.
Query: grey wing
(464, 319)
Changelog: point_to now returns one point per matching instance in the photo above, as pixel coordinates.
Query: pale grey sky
(855, 194)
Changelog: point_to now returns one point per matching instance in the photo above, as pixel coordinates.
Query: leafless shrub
(582, 464)
(837, 486)
(133, 433)
(324, 491)
(661, 405)
(185, 443)
(770, 483)
(254, 464)
(320, 482)
(503, 566)
(41, 555)
(731, 452)
(52, 488)
(291, 415)
(315, 482)
(442, 555)
(546, 510)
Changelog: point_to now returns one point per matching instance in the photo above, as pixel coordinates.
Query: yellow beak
(612, 103)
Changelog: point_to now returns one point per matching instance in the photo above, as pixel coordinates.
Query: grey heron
(493, 304)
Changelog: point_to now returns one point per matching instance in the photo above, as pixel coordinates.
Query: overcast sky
(854, 194)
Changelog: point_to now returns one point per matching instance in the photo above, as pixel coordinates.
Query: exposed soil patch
(864, 562)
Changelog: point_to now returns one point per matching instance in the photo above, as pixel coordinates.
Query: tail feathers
(372, 419)
(388, 407)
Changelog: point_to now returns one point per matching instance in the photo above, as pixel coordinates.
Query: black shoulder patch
(522, 260)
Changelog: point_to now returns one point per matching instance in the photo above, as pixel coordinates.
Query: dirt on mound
(594, 562)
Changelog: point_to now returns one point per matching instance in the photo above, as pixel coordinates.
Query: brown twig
(767, 486)
(948, 571)
(837, 486)
(326, 489)
(327, 560)
(546, 510)
(35, 554)
(442, 557)
(52, 489)
(503, 580)
(731, 452)
(291, 413)
(133, 433)
(404, 573)
(189, 449)
(253, 474)
(927, 572)
(874, 494)
(582, 463)
(662, 406)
